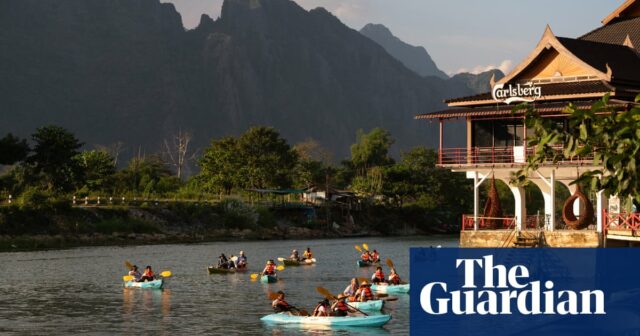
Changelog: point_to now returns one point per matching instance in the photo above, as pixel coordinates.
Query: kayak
(372, 305)
(331, 321)
(216, 270)
(289, 262)
(390, 289)
(362, 263)
(155, 284)
(269, 278)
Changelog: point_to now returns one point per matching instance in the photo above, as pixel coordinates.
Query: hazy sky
(460, 35)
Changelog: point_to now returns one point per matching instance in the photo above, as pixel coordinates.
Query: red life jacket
(271, 268)
(341, 306)
(394, 278)
(365, 256)
(366, 292)
(375, 256)
(148, 274)
(379, 275)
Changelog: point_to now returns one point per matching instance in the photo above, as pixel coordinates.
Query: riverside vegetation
(148, 199)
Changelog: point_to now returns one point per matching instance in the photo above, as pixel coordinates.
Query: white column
(548, 189)
(602, 204)
(520, 207)
(476, 201)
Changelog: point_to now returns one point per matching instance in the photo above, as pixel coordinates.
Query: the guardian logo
(506, 291)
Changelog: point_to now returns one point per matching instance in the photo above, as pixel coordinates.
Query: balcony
(498, 156)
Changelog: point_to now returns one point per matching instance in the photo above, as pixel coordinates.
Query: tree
(220, 166)
(13, 149)
(98, 169)
(147, 175)
(267, 159)
(313, 167)
(371, 149)
(611, 135)
(177, 151)
(53, 158)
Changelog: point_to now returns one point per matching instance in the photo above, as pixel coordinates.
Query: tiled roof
(506, 110)
(616, 33)
(554, 89)
(623, 61)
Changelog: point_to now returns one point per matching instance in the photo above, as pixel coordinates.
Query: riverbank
(59, 225)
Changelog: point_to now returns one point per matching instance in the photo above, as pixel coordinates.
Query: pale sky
(460, 35)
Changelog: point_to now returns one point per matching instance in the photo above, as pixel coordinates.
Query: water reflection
(140, 305)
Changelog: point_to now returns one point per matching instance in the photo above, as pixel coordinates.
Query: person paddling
(148, 275)
(242, 261)
(322, 308)
(294, 255)
(394, 278)
(280, 305)
(364, 293)
(378, 276)
(365, 257)
(351, 290)
(270, 268)
(375, 256)
(340, 307)
(135, 273)
(223, 262)
(307, 254)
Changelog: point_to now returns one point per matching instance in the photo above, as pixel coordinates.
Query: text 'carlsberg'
(504, 290)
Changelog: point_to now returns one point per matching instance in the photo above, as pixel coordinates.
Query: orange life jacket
(365, 292)
(271, 269)
(365, 256)
(394, 278)
(148, 274)
(341, 306)
(379, 275)
(375, 256)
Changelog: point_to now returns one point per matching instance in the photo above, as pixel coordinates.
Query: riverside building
(559, 70)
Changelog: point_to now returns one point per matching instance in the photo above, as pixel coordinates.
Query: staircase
(526, 240)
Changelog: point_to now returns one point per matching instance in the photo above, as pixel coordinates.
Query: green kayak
(269, 278)
(290, 262)
(362, 263)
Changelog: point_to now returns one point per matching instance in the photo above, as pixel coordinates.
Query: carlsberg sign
(504, 290)
(516, 93)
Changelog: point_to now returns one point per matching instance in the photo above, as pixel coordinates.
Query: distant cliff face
(121, 70)
(414, 58)
(479, 83)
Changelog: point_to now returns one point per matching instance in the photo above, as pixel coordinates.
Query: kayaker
(340, 307)
(232, 263)
(351, 290)
(394, 278)
(242, 260)
(270, 268)
(364, 293)
(378, 276)
(375, 256)
(365, 257)
(280, 305)
(322, 309)
(135, 273)
(148, 275)
(307, 254)
(223, 262)
(294, 255)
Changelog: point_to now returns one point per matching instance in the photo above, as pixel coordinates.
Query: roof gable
(629, 9)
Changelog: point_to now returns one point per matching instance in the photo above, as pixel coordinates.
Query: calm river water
(79, 291)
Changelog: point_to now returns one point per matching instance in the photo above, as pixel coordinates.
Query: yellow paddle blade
(166, 274)
(128, 278)
(366, 247)
(280, 259)
(358, 248)
(128, 265)
(325, 292)
(280, 268)
(254, 276)
(390, 263)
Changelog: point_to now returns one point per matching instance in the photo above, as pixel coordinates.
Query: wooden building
(559, 70)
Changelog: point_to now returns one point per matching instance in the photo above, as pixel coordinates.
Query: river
(80, 290)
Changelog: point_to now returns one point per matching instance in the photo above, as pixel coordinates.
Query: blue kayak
(330, 321)
(269, 278)
(390, 289)
(155, 284)
(372, 305)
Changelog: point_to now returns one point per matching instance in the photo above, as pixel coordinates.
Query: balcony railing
(622, 221)
(503, 223)
(488, 156)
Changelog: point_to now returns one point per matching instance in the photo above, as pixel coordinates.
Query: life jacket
(271, 269)
(307, 255)
(394, 278)
(375, 256)
(282, 304)
(379, 275)
(148, 274)
(365, 292)
(341, 306)
(365, 256)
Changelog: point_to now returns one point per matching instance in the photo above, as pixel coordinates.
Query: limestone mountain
(121, 70)
(414, 58)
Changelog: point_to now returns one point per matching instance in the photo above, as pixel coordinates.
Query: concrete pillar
(520, 207)
(476, 201)
(548, 189)
(602, 202)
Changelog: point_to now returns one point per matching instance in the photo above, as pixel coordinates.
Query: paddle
(255, 276)
(128, 265)
(390, 263)
(366, 247)
(128, 278)
(327, 294)
(281, 259)
(166, 274)
(358, 248)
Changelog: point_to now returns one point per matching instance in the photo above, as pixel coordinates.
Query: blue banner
(525, 291)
